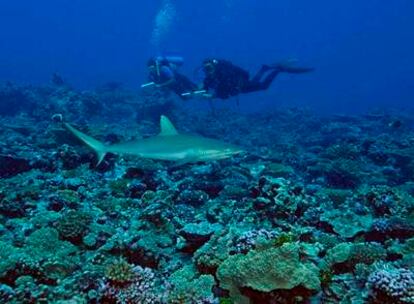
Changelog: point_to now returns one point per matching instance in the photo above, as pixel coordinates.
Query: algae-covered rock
(347, 224)
(278, 170)
(343, 173)
(339, 254)
(387, 200)
(9, 256)
(141, 247)
(45, 242)
(43, 253)
(196, 234)
(90, 240)
(194, 198)
(266, 271)
(57, 258)
(10, 165)
(345, 256)
(337, 196)
(209, 256)
(234, 192)
(189, 287)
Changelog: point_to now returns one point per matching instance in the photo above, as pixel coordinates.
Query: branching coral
(392, 286)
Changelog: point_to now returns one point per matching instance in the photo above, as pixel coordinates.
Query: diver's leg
(251, 86)
(260, 73)
(256, 84)
(290, 67)
(269, 79)
(295, 70)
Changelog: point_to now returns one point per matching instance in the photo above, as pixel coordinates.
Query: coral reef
(320, 211)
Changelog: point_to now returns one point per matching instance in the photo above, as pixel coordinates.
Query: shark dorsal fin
(167, 128)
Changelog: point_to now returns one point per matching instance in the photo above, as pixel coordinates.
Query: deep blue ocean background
(362, 50)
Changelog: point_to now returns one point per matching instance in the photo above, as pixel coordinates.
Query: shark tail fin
(96, 145)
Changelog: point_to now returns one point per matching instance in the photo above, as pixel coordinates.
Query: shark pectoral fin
(166, 126)
(100, 155)
(182, 162)
(96, 145)
(179, 163)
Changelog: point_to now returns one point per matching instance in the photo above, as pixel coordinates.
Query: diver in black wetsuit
(224, 79)
(163, 74)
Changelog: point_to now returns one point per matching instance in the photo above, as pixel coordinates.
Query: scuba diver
(224, 79)
(163, 74)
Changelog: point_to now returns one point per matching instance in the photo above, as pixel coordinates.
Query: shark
(168, 145)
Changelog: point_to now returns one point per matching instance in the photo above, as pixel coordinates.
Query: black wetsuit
(182, 85)
(229, 80)
(175, 81)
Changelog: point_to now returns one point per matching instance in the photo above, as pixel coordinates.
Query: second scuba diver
(223, 79)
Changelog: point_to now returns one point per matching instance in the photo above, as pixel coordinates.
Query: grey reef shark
(169, 145)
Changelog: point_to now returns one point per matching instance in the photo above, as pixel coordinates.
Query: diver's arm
(165, 84)
(200, 92)
(207, 96)
(206, 86)
(166, 74)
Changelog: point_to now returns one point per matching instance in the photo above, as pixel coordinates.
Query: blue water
(362, 50)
